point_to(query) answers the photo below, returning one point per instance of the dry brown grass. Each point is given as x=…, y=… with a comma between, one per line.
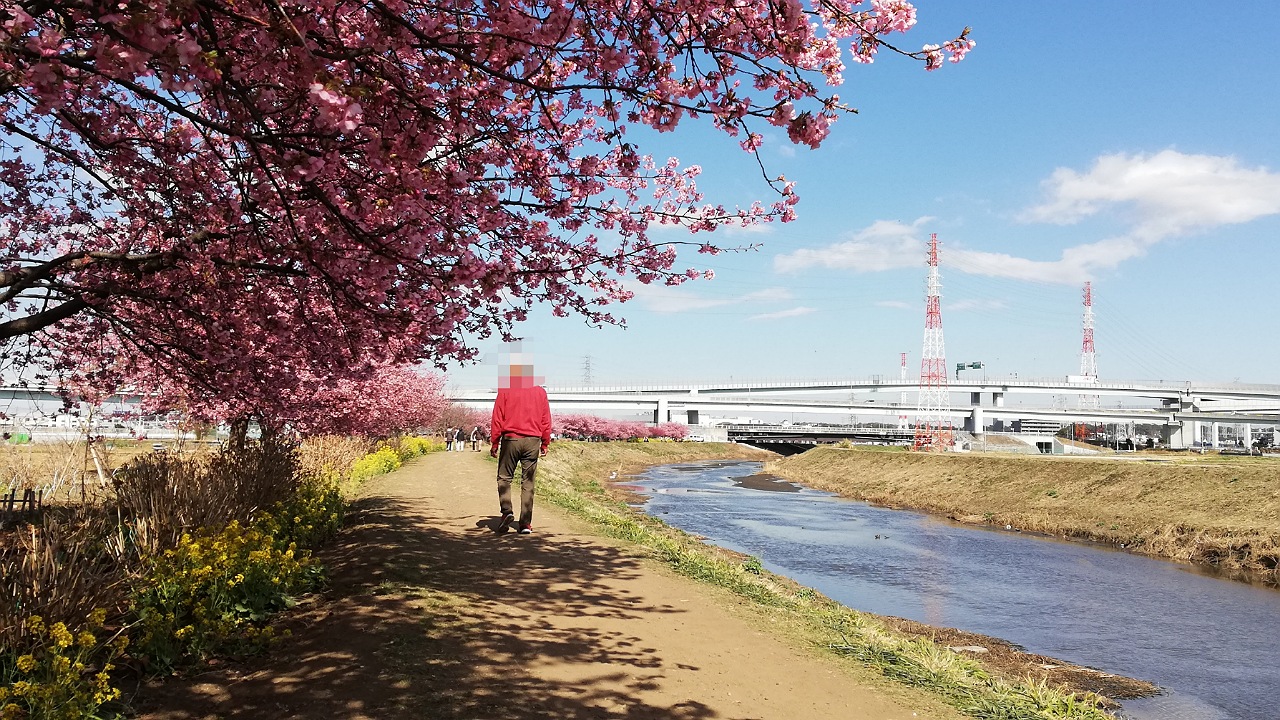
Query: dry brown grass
x=57, y=570
x=1222, y=511
x=160, y=496
x=64, y=471
x=76, y=556
x=336, y=454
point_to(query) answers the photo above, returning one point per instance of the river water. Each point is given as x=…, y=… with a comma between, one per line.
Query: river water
x=1212, y=644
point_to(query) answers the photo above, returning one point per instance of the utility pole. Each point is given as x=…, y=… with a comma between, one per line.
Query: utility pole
x=586, y=371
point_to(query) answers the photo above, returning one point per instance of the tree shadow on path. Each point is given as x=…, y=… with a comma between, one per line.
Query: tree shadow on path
x=432, y=616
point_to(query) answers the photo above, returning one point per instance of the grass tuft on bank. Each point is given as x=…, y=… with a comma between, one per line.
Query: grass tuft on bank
x=571, y=477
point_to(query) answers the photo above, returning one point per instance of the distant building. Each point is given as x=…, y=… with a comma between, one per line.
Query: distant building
x=1037, y=427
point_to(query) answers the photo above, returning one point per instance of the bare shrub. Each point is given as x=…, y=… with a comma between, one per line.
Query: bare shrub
x=77, y=558
x=331, y=454
x=57, y=570
x=160, y=496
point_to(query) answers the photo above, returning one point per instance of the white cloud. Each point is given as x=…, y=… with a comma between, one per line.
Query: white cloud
x=893, y=304
x=884, y=245
x=1075, y=265
x=1167, y=195
x=667, y=299
x=780, y=144
x=767, y=294
x=1170, y=193
x=963, y=305
x=1164, y=195
x=793, y=312
x=760, y=228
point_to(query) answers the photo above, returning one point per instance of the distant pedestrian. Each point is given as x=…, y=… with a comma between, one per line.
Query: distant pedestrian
x=476, y=432
x=457, y=439
x=448, y=438
x=520, y=431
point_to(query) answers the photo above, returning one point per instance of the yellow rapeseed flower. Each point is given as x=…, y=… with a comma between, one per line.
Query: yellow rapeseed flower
x=97, y=617
x=86, y=639
x=61, y=636
x=26, y=663
x=35, y=624
x=11, y=712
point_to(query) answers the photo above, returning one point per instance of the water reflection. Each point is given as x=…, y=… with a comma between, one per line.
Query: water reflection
x=1214, y=644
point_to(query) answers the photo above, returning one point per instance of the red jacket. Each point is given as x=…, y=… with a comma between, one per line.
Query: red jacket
x=521, y=411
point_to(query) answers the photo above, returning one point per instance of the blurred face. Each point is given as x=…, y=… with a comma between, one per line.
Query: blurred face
x=516, y=369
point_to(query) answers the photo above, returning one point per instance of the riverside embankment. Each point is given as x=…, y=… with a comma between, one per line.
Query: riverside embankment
x=1217, y=511
x=431, y=614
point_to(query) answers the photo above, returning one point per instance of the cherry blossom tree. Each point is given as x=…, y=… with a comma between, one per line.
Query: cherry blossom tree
x=576, y=426
x=238, y=200
x=389, y=400
x=393, y=400
x=671, y=431
x=459, y=416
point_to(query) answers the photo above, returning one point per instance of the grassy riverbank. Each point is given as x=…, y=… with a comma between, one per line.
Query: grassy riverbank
x=1220, y=511
x=574, y=477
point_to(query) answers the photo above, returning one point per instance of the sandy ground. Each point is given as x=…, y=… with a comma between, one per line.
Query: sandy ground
x=430, y=614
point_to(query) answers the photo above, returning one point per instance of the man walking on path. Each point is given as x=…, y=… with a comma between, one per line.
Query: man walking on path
x=520, y=431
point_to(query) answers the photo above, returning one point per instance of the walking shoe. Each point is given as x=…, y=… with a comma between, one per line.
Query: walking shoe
x=526, y=529
x=504, y=523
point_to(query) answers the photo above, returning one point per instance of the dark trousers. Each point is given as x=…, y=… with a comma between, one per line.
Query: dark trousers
x=526, y=451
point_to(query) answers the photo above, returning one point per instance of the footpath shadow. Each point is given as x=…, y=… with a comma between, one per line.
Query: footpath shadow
x=422, y=622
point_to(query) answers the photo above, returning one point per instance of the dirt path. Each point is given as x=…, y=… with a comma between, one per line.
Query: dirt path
x=432, y=615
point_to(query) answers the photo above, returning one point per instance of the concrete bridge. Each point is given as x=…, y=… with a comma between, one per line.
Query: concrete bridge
x=792, y=439
x=1184, y=409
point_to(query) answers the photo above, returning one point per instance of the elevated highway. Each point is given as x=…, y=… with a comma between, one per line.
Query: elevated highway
x=1167, y=391
x=1182, y=408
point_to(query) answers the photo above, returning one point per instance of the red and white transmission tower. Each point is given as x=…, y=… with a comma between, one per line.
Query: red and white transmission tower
x=903, y=421
x=1088, y=358
x=933, y=424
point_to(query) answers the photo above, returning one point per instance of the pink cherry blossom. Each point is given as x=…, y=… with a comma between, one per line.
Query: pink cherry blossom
x=592, y=427
x=238, y=207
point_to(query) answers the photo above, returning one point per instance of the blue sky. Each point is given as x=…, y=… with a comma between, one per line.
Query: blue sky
x=1134, y=144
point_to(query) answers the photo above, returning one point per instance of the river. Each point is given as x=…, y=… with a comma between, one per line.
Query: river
x=1213, y=645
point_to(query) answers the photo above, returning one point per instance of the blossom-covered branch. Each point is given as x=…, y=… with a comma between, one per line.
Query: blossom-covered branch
x=241, y=195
